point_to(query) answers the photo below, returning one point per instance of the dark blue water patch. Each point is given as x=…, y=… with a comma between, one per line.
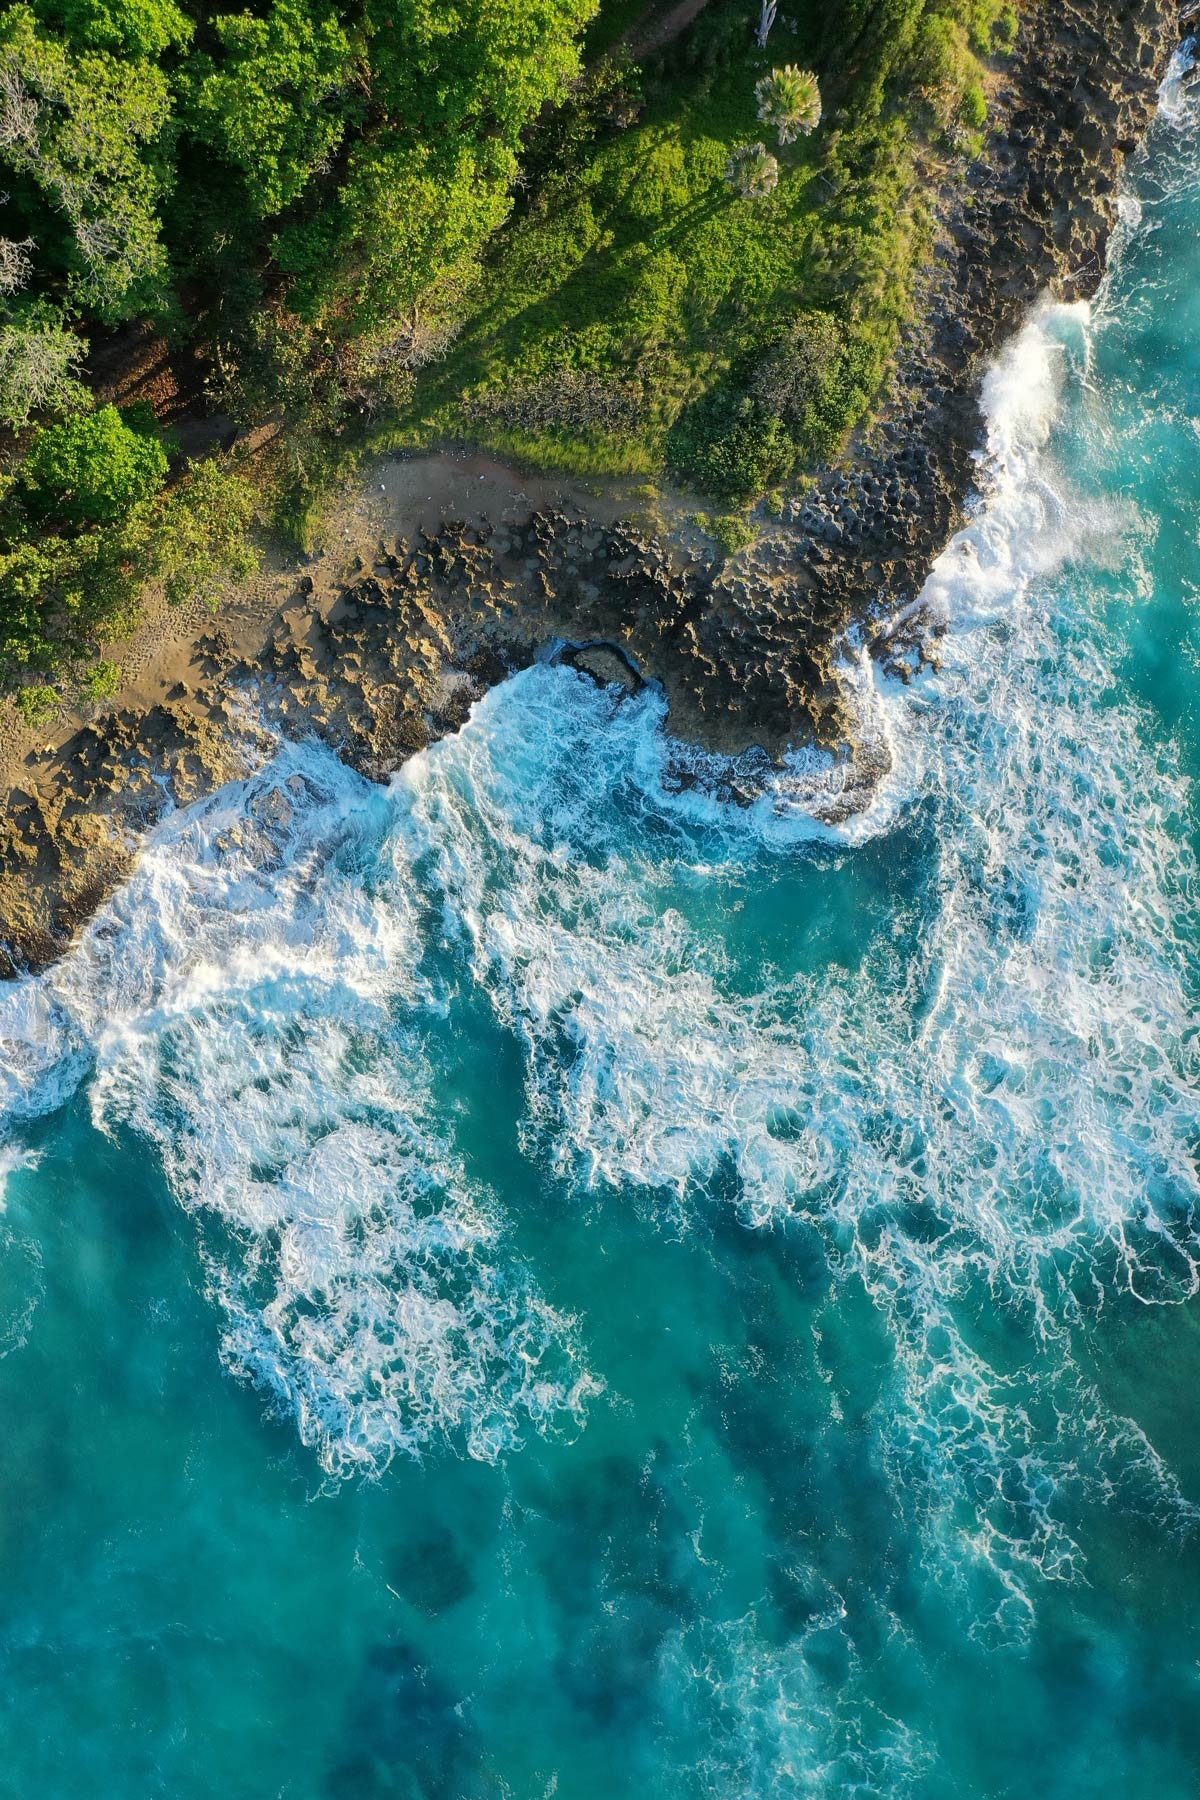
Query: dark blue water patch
x=404, y=1735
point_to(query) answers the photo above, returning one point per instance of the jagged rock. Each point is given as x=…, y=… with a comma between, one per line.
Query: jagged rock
x=743, y=647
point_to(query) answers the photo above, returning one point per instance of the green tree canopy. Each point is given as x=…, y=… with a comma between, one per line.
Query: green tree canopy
x=790, y=100
x=77, y=127
x=93, y=469
x=472, y=68
x=40, y=362
x=304, y=199
x=275, y=103
x=452, y=87
x=131, y=28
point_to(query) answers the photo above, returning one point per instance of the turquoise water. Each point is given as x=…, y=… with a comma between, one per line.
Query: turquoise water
x=527, y=1283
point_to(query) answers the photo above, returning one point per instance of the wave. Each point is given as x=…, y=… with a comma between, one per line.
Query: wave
x=1001, y=1101
x=989, y=1121
x=246, y=1003
x=765, y=1719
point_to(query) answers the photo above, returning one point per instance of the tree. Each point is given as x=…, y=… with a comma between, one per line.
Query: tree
x=407, y=216
x=790, y=100
x=452, y=89
x=57, y=593
x=82, y=129
x=271, y=106
x=752, y=171
x=132, y=28
x=16, y=264
x=93, y=469
x=474, y=68
x=39, y=363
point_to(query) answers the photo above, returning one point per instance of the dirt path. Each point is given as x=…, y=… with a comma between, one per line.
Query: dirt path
x=649, y=34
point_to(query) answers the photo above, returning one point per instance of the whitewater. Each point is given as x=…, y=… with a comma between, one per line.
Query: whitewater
x=524, y=1281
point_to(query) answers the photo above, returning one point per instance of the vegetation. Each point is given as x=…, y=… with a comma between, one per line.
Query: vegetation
x=790, y=100
x=733, y=531
x=201, y=536
x=382, y=222
x=751, y=171
x=664, y=271
x=94, y=469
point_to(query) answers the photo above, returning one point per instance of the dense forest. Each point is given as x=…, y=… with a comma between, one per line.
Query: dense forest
x=386, y=222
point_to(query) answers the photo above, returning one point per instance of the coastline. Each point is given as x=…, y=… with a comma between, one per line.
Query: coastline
x=441, y=574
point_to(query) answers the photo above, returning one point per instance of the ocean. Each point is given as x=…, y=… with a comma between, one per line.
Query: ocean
x=528, y=1281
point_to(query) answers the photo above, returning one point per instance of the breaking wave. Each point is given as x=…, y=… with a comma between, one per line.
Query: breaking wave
x=247, y=1004
x=988, y=1115
x=993, y=1120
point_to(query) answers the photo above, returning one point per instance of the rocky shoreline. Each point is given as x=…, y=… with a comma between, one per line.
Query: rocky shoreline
x=1033, y=217
x=388, y=648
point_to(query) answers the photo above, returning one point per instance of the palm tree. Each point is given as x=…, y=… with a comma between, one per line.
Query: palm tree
x=752, y=171
x=790, y=100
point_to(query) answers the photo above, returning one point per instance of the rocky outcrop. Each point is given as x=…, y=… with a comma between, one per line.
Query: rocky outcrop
x=747, y=652
x=745, y=648
x=1032, y=217
x=70, y=830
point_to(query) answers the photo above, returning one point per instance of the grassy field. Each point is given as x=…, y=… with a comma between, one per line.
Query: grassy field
x=637, y=316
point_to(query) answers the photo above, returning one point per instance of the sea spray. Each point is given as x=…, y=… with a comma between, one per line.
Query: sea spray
x=855, y=1157
x=1006, y=1106
x=242, y=1002
x=998, y=1099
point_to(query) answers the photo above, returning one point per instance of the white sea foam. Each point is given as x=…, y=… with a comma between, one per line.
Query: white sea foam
x=1009, y=1108
x=1006, y=1107
x=246, y=1003
x=765, y=1719
x=1176, y=106
x=12, y=1158
x=1001, y=1099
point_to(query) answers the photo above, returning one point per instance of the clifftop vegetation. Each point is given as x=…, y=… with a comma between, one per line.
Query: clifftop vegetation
x=390, y=221
x=698, y=274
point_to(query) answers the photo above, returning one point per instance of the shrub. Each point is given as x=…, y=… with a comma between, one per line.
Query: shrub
x=733, y=531
x=973, y=110
x=726, y=446
x=36, y=703
x=200, y=539
x=942, y=67
x=790, y=100
x=817, y=381
x=752, y=171
x=1004, y=31
x=660, y=184
x=101, y=680
x=92, y=469
x=564, y=399
x=653, y=281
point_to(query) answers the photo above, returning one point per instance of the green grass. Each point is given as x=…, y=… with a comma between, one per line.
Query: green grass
x=631, y=282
